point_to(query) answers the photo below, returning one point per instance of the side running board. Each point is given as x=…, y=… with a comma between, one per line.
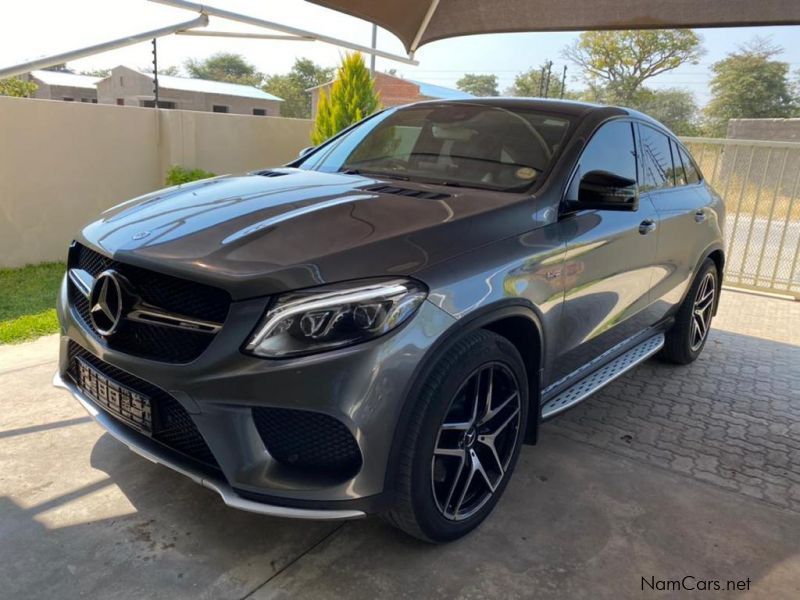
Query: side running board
x=602, y=376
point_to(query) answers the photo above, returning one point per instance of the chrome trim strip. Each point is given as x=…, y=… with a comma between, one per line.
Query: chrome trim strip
x=83, y=280
x=587, y=386
x=153, y=316
x=229, y=497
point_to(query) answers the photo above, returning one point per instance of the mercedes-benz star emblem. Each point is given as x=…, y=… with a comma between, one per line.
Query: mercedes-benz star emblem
x=105, y=303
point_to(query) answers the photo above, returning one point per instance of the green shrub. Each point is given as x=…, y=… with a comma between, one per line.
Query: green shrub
x=177, y=175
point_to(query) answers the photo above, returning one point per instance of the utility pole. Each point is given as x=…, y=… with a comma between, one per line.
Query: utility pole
x=541, y=83
x=547, y=81
x=563, y=82
x=374, y=46
x=155, y=73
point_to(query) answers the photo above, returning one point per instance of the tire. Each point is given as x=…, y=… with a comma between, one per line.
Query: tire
x=682, y=345
x=426, y=485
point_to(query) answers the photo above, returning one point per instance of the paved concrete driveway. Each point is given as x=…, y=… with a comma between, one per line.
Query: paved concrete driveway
x=668, y=472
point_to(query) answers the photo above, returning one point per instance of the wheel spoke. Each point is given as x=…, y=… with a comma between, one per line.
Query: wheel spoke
x=463, y=494
x=448, y=452
x=491, y=413
x=455, y=482
x=463, y=426
x=478, y=466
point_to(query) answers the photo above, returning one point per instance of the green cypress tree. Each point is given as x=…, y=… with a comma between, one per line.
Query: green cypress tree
x=352, y=98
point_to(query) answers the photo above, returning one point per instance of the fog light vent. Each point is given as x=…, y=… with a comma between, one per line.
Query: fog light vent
x=308, y=440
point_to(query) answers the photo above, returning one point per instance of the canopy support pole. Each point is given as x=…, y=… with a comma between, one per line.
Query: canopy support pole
x=423, y=26
x=247, y=36
x=232, y=16
x=57, y=59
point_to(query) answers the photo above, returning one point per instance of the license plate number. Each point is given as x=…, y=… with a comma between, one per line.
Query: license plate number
x=121, y=402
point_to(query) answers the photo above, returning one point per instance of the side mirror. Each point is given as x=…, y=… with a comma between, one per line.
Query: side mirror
x=601, y=190
x=305, y=151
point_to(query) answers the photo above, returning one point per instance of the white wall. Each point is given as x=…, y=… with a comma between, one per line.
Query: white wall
x=61, y=163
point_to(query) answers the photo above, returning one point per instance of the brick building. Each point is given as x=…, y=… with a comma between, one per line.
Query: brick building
x=395, y=90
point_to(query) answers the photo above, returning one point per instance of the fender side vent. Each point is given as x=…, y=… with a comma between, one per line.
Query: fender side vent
x=398, y=191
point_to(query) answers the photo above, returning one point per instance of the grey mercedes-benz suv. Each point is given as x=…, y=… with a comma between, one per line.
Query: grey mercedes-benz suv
x=378, y=326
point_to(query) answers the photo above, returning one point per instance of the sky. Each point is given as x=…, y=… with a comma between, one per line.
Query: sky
x=36, y=28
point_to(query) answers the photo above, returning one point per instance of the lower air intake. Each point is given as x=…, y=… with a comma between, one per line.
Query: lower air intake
x=308, y=440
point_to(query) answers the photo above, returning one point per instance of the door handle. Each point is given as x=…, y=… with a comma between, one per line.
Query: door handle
x=700, y=215
x=647, y=226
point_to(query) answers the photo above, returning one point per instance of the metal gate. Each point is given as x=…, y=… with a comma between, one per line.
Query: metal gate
x=759, y=182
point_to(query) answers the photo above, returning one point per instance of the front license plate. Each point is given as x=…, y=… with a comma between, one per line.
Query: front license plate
x=121, y=402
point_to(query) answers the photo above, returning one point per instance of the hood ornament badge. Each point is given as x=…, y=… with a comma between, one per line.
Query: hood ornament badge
x=140, y=235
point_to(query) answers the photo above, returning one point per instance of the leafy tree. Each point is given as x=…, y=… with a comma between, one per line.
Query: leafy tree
x=224, y=66
x=17, y=87
x=292, y=87
x=749, y=83
x=97, y=72
x=61, y=67
x=171, y=70
x=533, y=82
x=352, y=98
x=618, y=63
x=674, y=107
x=478, y=85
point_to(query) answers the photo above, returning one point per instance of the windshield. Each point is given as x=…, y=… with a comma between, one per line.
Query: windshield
x=465, y=145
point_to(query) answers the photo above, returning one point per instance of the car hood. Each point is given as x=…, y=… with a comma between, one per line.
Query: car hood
x=283, y=229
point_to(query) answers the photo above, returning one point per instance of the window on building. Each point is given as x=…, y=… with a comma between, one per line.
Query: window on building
x=84, y=99
x=94, y=100
x=120, y=101
x=152, y=104
x=260, y=112
x=219, y=108
x=68, y=99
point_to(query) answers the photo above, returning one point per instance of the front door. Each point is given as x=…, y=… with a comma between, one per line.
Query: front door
x=609, y=260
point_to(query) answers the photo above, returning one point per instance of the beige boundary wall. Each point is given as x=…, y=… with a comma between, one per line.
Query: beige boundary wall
x=61, y=163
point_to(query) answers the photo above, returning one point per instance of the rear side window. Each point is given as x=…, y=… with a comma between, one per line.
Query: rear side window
x=692, y=174
x=657, y=160
x=611, y=149
x=680, y=175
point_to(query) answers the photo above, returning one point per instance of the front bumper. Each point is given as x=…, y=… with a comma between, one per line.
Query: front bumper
x=364, y=387
x=154, y=454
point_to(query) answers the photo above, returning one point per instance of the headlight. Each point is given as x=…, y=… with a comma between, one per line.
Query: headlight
x=333, y=316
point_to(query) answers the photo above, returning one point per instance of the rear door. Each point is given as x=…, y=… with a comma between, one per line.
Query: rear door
x=680, y=200
x=609, y=260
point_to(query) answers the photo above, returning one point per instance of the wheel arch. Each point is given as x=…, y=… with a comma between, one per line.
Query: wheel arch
x=513, y=319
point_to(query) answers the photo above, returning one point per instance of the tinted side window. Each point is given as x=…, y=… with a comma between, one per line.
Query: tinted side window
x=692, y=175
x=611, y=149
x=680, y=175
x=657, y=159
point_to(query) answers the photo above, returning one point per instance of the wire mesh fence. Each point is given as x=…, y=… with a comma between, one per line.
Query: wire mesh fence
x=758, y=181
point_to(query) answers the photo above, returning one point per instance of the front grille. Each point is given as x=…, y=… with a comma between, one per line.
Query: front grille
x=172, y=425
x=168, y=293
x=308, y=440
